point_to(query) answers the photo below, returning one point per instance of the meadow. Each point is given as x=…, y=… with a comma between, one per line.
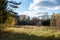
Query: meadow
x=31, y=33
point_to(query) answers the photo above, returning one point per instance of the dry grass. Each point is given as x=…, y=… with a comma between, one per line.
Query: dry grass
x=38, y=31
x=34, y=33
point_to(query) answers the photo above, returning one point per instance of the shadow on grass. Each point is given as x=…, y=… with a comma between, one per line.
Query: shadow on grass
x=24, y=36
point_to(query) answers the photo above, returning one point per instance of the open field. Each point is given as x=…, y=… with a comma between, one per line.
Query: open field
x=31, y=33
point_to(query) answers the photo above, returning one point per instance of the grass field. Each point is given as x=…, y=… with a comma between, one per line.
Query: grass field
x=31, y=33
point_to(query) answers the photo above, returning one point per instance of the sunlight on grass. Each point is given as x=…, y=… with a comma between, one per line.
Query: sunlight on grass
x=38, y=31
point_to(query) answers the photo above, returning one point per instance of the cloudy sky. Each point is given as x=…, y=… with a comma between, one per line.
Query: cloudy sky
x=38, y=7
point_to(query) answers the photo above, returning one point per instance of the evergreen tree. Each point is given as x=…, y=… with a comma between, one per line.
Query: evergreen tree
x=6, y=17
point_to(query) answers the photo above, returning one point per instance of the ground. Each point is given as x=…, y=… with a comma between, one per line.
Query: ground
x=31, y=33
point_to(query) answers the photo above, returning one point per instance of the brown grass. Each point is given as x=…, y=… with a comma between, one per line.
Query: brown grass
x=31, y=33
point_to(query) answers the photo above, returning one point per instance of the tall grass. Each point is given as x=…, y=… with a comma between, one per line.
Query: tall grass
x=33, y=33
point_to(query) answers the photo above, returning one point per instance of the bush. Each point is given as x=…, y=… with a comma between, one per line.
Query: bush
x=9, y=22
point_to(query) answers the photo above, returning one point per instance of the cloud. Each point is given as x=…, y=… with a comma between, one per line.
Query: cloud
x=45, y=5
x=40, y=7
x=33, y=13
x=29, y=13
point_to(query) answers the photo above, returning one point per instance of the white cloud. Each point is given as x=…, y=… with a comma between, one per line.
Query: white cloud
x=29, y=13
x=36, y=1
x=41, y=6
x=44, y=5
x=57, y=8
x=33, y=13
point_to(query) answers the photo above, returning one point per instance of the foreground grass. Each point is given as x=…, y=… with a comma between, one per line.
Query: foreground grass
x=31, y=33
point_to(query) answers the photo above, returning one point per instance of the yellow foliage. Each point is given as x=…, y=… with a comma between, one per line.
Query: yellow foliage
x=10, y=22
x=54, y=19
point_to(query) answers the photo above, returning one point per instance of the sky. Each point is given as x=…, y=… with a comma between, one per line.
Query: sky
x=34, y=8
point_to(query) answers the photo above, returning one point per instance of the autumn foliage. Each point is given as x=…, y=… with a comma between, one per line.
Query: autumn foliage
x=55, y=20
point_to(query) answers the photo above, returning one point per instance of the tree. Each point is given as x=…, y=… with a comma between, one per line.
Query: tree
x=28, y=18
x=6, y=16
x=35, y=19
x=55, y=20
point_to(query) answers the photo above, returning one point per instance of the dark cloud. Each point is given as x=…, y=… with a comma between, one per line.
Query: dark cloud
x=49, y=3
